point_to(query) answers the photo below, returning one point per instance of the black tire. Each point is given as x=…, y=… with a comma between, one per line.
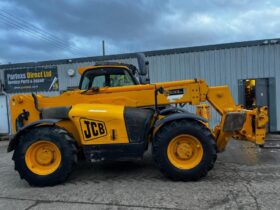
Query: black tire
x=211, y=166
x=167, y=133
x=61, y=139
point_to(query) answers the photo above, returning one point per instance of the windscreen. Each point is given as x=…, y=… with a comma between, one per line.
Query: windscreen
x=106, y=77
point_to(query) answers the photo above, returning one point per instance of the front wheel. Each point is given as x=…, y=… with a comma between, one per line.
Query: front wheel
x=184, y=150
x=45, y=156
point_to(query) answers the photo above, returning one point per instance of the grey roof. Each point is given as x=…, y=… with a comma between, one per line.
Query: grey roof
x=147, y=53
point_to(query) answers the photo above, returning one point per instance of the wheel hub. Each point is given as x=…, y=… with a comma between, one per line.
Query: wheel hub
x=184, y=151
x=44, y=156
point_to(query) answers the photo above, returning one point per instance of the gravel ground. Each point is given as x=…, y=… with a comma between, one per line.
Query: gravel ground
x=244, y=177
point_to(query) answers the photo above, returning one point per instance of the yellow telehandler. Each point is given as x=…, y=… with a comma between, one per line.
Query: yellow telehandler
x=116, y=113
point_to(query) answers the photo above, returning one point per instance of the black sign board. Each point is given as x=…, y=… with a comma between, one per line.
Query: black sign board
x=31, y=80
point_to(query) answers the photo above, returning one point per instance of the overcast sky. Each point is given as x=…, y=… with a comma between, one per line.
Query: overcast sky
x=33, y=30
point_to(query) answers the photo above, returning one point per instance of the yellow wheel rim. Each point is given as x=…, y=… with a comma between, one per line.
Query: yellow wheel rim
x=43, y=157
x=185, y=151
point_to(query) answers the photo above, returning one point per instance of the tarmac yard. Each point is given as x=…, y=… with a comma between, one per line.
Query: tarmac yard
x=244, y=177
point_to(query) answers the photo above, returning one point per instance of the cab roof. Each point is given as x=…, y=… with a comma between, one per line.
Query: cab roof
x=81, y=70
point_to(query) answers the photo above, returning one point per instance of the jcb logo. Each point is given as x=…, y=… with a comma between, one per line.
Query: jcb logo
x=93, y=129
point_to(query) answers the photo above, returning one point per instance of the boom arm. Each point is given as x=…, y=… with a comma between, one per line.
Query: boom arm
x=236, y=122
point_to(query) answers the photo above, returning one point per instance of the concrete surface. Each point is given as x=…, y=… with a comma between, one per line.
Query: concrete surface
x=244, y=177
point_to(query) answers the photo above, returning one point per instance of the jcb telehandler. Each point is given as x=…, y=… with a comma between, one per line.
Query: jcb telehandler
x=116, y=113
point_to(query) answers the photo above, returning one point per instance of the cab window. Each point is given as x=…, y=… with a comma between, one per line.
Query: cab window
x=106, y=77
x=99, y=81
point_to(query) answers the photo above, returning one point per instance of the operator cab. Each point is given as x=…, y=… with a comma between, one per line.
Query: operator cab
x=107, y=76
x=112, y=74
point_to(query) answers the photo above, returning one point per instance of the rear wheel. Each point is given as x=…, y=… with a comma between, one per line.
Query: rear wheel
x=45, y=156
x=184, y=150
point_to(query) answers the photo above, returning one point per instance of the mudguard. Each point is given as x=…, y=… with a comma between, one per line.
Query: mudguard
x=169, y=110
x=179, y=116
x=15, y=140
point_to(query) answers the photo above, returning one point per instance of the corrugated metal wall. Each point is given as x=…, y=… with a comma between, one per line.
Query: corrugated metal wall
x=217, y=67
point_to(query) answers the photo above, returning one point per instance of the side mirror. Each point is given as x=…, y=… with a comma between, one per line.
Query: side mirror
x=142, y=63
x=143, y=68
x=144, y=79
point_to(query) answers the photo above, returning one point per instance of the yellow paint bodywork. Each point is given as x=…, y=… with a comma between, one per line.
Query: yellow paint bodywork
x=254, y=128
x=113, y=100
x=112, y=116
x=133, y=96
x=203, y=110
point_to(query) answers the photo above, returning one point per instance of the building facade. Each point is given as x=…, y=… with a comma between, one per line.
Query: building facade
x=251, y=69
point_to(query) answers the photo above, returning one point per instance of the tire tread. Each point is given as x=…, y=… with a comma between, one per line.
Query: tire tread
x=69, y=146
x=161, y=137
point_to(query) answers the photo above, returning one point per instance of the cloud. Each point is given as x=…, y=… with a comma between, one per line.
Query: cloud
x=75, y=28
x=254, y=22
